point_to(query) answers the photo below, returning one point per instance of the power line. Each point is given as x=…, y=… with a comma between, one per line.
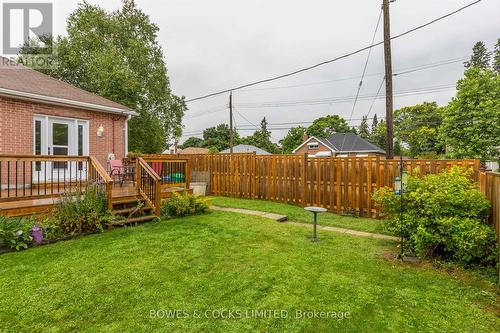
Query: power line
x=403, y=70
x=343, y=99
x=376, y=96
x=363, y=75
x=335, y=59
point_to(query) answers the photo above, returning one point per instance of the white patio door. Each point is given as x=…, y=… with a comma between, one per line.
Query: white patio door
x=61, y=142
x=60, y=137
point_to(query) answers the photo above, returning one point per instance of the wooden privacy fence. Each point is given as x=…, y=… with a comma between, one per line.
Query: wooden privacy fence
x=342, y=185
x=489, y=184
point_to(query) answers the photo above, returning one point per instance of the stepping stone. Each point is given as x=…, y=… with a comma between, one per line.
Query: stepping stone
x=272, y=216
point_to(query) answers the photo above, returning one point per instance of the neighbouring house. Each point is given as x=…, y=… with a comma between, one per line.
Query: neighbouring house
x=246, y=149
x=194, y=150
x=338, y=145
x=40, y=115
x=172, y=149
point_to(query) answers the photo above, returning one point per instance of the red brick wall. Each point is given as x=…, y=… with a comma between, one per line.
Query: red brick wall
x=305, y=149
x=16, y=127
x=321, y=147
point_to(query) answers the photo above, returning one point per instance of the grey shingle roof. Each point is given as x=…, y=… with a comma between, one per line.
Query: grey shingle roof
x=350, y=142
x=246, y=149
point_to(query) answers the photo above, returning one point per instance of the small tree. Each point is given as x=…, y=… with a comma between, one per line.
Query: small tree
x=261, y=138
x=379, y=135
x=293, y=139
x=364, y=130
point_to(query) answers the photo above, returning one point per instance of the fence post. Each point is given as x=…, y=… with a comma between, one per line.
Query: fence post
x=304, y=180
x=253, y=177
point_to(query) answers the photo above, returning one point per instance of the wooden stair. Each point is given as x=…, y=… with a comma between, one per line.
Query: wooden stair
x=131, y=210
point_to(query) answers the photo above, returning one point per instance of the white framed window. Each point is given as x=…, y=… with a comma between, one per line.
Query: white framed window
x=313, y=145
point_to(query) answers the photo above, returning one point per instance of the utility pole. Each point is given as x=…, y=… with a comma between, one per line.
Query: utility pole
x=388, y=80
x=231, y=132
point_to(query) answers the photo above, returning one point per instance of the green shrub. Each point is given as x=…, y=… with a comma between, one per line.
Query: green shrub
x=16, y=232
x=79, y=212
x=443, y=215
x=184, y=204
x=51, y=229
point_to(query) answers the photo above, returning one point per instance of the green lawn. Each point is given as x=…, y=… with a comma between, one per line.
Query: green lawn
x=222, y=261
x=298, y=214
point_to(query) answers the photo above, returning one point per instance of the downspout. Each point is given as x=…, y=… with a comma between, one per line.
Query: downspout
x=113, y=138
x=126, y=134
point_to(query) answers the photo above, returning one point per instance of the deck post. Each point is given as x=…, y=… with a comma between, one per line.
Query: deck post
x=137, y=176
x=188, y=175
x=109, y=191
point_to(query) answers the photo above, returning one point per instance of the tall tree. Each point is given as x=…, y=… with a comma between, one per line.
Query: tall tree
x=480, y=57
x=116, y=55
x=293, y=139
x=217, y=138
x=379, y=135
x=364, y=130
x=374, y=124
x=418, y=128
x=471, y=122
x=325, y=126
x=261, y=138
x=192, y=142
x=496, y=57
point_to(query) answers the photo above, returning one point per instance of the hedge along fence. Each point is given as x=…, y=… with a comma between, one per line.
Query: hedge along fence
x=342, y=185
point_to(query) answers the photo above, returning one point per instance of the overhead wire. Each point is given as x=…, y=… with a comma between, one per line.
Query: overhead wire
x=363, y=75
x=301, y=70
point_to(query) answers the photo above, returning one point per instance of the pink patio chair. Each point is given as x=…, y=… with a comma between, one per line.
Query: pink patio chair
x=120, y=171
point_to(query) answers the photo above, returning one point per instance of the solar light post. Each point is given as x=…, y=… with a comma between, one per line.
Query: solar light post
x=400, y=184
x=315, y=211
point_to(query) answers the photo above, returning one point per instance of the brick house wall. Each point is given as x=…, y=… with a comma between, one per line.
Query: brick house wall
x=16, y=127
x=305, y=149
x=321, y=148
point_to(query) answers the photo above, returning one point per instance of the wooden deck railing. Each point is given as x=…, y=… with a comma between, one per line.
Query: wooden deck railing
x=148, y=184
x=45, y=176
x=98, y=175
x=172, y=172
x=39, y=176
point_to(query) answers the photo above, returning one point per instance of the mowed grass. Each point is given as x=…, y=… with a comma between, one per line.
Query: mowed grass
x=111, y=282
x=298, y=214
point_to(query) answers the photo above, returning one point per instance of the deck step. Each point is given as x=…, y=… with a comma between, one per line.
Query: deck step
x=130, y=210
x=134, y=220
x=127, y=201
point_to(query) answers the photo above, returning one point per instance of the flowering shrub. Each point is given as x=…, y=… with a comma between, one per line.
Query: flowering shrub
x=79, y=212
x=442, y=215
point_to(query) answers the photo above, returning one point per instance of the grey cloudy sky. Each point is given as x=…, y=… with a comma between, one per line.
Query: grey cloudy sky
x=214, y=45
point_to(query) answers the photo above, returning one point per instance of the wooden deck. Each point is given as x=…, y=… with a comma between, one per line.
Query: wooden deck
x=29, y=205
